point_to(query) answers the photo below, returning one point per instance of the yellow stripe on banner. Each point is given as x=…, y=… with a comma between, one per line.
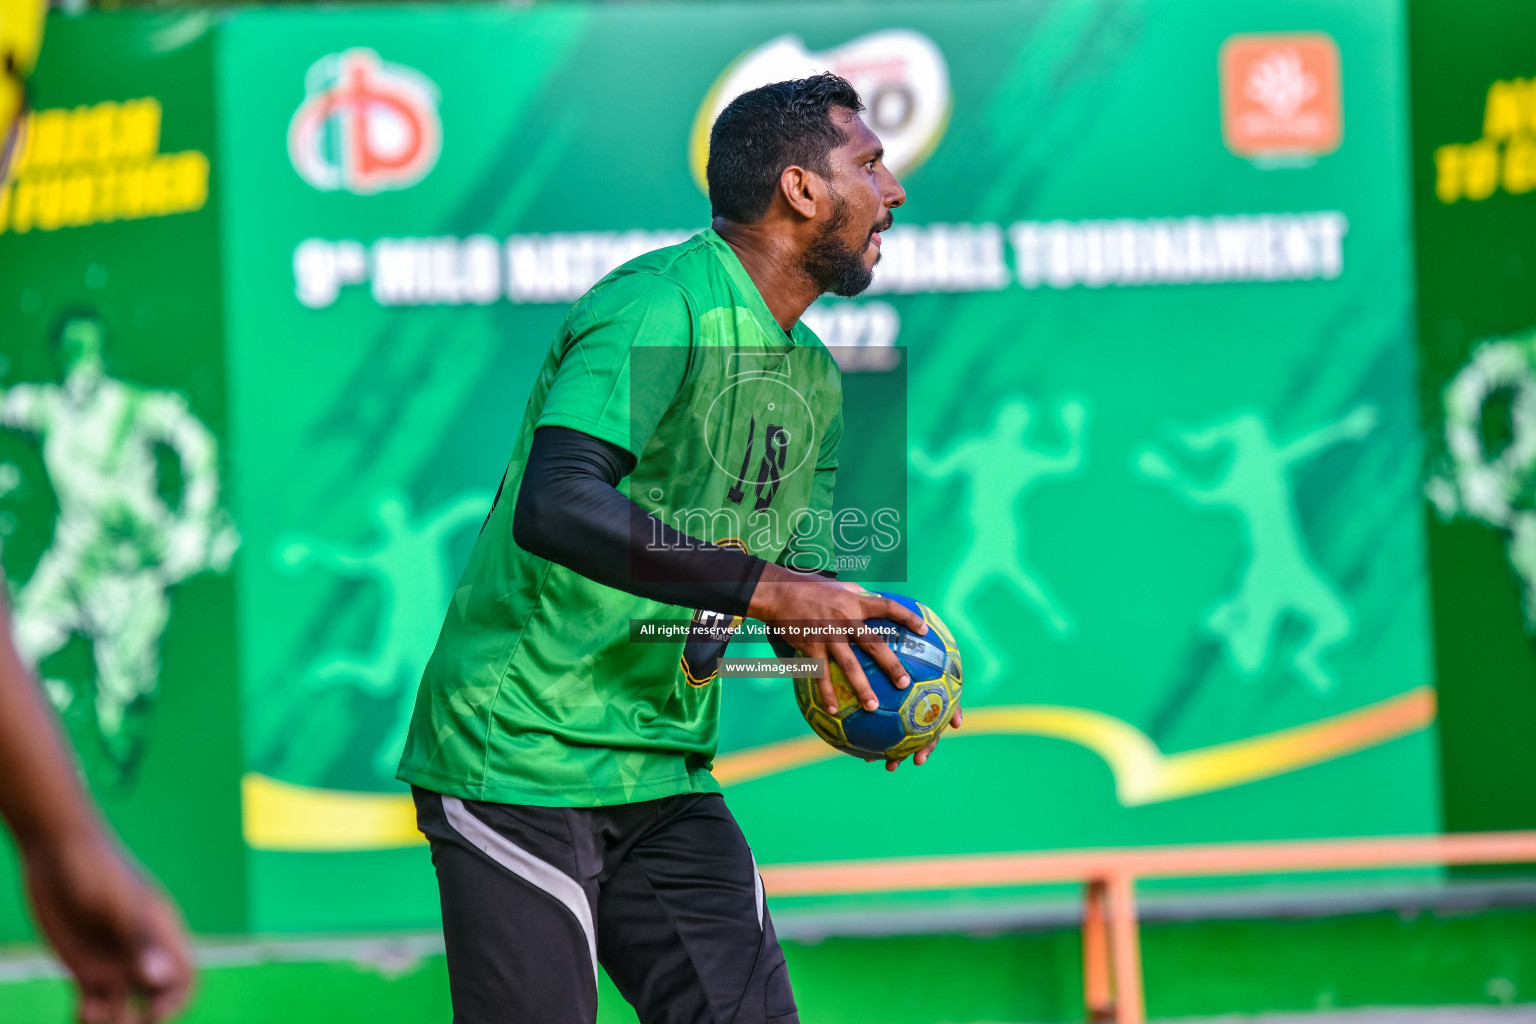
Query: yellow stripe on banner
x=281, y=816
x=773, y=758
x=1144, y=774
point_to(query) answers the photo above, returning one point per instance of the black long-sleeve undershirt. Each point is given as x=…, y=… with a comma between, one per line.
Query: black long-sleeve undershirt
x=569, y=511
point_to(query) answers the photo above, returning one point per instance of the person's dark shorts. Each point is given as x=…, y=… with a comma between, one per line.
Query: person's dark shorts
x=664, y=894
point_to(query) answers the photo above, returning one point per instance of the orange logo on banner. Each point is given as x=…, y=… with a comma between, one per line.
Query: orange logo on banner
x=1280, y=95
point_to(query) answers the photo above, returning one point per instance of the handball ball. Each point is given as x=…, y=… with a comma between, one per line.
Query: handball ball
x=906, y=720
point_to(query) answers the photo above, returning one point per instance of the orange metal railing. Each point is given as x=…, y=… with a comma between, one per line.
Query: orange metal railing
x=1112, y=984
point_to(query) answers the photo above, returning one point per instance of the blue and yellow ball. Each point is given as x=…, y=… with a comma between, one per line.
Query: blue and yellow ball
x=906, y=720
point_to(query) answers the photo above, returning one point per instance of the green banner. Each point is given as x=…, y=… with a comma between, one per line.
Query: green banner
x=1161, y=407
x=1151, y=297
x=114, y=470
x=1474, y=172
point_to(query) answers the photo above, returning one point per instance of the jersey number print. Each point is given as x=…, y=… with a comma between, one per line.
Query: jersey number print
x=769, y=472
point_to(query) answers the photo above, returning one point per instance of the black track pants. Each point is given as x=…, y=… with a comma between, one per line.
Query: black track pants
x=664, y=894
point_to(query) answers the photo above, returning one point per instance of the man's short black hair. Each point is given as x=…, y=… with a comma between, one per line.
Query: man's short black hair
x=761, y=132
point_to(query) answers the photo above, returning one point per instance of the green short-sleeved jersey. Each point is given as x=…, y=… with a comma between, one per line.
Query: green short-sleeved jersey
x=535, y=693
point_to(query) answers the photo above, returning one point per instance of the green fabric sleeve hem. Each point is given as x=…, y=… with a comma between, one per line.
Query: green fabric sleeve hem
x=614, y=435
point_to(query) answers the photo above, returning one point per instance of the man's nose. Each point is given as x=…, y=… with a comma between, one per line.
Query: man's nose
x=893, y=195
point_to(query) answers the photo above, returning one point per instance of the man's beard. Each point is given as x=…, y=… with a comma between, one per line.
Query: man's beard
x=831, y=263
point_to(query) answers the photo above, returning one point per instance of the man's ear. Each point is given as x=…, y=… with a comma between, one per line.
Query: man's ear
x=803, y=190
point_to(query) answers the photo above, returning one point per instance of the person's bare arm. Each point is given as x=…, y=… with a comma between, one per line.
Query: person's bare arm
x=121, y=940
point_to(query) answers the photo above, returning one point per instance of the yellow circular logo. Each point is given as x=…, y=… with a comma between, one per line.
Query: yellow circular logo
x=926, y=709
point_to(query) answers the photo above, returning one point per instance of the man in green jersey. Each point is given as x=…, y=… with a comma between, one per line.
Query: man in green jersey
x=676, y=459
